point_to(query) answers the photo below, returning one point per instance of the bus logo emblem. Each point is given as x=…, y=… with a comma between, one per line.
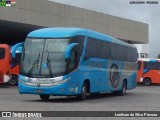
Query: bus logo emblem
x=114, y=75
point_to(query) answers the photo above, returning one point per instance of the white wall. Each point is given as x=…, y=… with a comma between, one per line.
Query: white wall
x=143, y=48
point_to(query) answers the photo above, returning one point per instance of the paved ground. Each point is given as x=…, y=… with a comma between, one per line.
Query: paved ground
x=140, y=99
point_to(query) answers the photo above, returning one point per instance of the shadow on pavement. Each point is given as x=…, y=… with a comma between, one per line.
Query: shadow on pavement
x=70, y=99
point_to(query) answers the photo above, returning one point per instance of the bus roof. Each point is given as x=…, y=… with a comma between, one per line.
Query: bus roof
x=4, y=46
x=65, y=32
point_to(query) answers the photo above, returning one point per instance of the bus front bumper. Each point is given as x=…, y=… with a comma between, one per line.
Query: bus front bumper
x=59, y=90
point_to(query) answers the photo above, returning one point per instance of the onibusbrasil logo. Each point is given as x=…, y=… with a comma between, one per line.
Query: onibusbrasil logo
x=114, y=75
x=7, y=2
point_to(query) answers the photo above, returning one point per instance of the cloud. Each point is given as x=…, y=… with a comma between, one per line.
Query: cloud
x=147, y=13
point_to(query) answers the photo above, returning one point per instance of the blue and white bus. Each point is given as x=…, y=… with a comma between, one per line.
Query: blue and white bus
x=75, y=62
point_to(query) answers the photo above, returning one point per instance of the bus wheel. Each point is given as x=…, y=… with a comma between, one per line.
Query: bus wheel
x=14, y=80
x=123, y=90
x=147, y=81
x=44, y=97
x=83, y=94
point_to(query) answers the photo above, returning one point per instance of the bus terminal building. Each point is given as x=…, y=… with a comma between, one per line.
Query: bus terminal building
x=28, y=15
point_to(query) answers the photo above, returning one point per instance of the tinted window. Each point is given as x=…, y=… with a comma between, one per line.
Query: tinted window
x=119, y=52
x=134, y=54
x=92, y=47
x=79, y=48
x=2, y=53
x=17, y=59
x=158, y=65
x=150, y=65
x=139, y=65
x=72, y=61
x=101, y=49
x=128, y=54
x=76, y=53
x=113, y=51
x=106, y=52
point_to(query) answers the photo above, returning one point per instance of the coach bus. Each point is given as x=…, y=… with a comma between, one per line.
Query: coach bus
x=75, y=62
x=148, y=71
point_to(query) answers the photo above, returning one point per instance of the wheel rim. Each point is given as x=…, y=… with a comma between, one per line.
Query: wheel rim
x=124, y=89
x=12, y=81
x=84, y=91
x=147, y=82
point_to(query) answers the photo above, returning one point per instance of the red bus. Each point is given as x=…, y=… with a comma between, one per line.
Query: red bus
x=5, y=59
x=9, y=63
x=148, y=71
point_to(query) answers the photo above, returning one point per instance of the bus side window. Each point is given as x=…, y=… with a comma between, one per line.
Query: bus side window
x=158, y=65
x=73, y=60
x=113, y=51
x=91, y=49
x=99, y=49
x=150, y=65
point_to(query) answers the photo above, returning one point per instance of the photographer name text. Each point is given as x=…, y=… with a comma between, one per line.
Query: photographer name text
x=144, y=2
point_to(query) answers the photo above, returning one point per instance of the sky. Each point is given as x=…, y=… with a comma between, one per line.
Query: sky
x=147, y=13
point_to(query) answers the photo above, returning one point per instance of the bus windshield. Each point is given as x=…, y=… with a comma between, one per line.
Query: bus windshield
x=2, y=53
x=43, y=57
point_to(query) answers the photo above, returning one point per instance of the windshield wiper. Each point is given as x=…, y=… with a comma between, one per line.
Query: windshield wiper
x=34, y=63
x=49, y=65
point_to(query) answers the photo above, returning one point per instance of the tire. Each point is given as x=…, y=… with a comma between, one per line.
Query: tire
x=146, y=81
x=83, y=95
x=13, y=81
x=44, y=97
x=123, y=90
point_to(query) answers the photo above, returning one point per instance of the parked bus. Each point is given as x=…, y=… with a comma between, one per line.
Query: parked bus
x=148, y=71
x=5, y=59
x=75, y=62
x=9, y=65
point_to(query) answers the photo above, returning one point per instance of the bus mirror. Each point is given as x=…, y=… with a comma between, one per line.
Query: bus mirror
x=85, y=57
x=15, y=47
x=69, y=49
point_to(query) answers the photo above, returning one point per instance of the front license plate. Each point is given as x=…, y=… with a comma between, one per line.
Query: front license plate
x=39, y=91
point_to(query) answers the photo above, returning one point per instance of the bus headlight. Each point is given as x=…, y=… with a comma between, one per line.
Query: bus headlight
x=61, y=81
x=43, y=82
